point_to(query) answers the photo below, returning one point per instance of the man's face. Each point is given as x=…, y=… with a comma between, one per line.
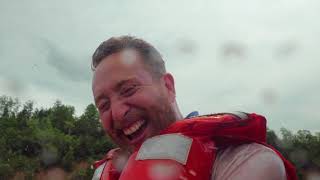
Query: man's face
x=132, y=105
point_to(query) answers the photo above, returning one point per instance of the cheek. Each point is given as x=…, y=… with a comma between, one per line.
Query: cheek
x=149, y=99
x=106, y=122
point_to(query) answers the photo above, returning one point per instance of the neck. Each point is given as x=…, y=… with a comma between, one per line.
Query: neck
x=177, y=113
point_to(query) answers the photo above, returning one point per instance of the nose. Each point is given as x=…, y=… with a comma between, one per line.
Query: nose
x=119, y=110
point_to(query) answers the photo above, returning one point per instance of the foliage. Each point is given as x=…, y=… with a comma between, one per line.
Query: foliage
x=302, y=149
x=32, y=140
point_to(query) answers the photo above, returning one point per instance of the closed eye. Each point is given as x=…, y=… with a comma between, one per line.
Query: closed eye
x=104, y=106
x=128, y=91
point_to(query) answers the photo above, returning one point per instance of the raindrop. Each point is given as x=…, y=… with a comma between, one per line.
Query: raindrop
x=233, y=50
x=120, y=160
x=299, y=156
x=128, y=57
x=183, y=178
x=49, y=156
x=35, y=67
x=15, y=86
x=269, y=96
x=192, y=172
x=164, y=171
x=186, y=46
x=286, y=49
x=313, y=175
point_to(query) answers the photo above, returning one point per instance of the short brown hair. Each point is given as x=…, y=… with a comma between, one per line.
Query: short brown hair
x=151, y=57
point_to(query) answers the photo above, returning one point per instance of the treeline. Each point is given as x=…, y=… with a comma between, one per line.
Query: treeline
x=301, y=148
x=33, y=140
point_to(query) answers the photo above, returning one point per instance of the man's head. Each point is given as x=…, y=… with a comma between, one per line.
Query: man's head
x=134, y=94
x=150, y=56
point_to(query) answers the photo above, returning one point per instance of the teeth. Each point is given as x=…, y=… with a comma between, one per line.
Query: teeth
x=133, y=128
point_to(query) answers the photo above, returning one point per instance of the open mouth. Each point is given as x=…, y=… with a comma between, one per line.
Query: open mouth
x=134, y=131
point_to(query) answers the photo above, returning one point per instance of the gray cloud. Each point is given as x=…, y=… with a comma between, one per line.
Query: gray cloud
x=225, y=55
x=66, y=64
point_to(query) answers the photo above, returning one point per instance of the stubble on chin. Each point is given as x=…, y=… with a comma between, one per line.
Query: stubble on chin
x=160, y=118
x=165, y=118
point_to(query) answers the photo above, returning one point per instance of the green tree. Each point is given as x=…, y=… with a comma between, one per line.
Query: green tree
x=62, y=117
x=92, y=140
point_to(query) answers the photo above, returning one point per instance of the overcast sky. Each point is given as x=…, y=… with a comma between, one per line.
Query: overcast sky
x=251, y=55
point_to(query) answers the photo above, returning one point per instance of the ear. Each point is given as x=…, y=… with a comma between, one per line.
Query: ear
x=169, y=85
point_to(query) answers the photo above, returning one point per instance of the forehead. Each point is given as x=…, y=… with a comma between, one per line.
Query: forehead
x=117, y=67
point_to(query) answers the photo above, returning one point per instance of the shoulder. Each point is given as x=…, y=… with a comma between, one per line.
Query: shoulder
x=248, y=161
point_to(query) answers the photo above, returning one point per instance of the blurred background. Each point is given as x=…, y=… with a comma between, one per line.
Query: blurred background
x=251, y=55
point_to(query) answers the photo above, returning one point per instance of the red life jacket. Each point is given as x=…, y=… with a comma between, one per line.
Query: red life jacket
x=187, y=149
